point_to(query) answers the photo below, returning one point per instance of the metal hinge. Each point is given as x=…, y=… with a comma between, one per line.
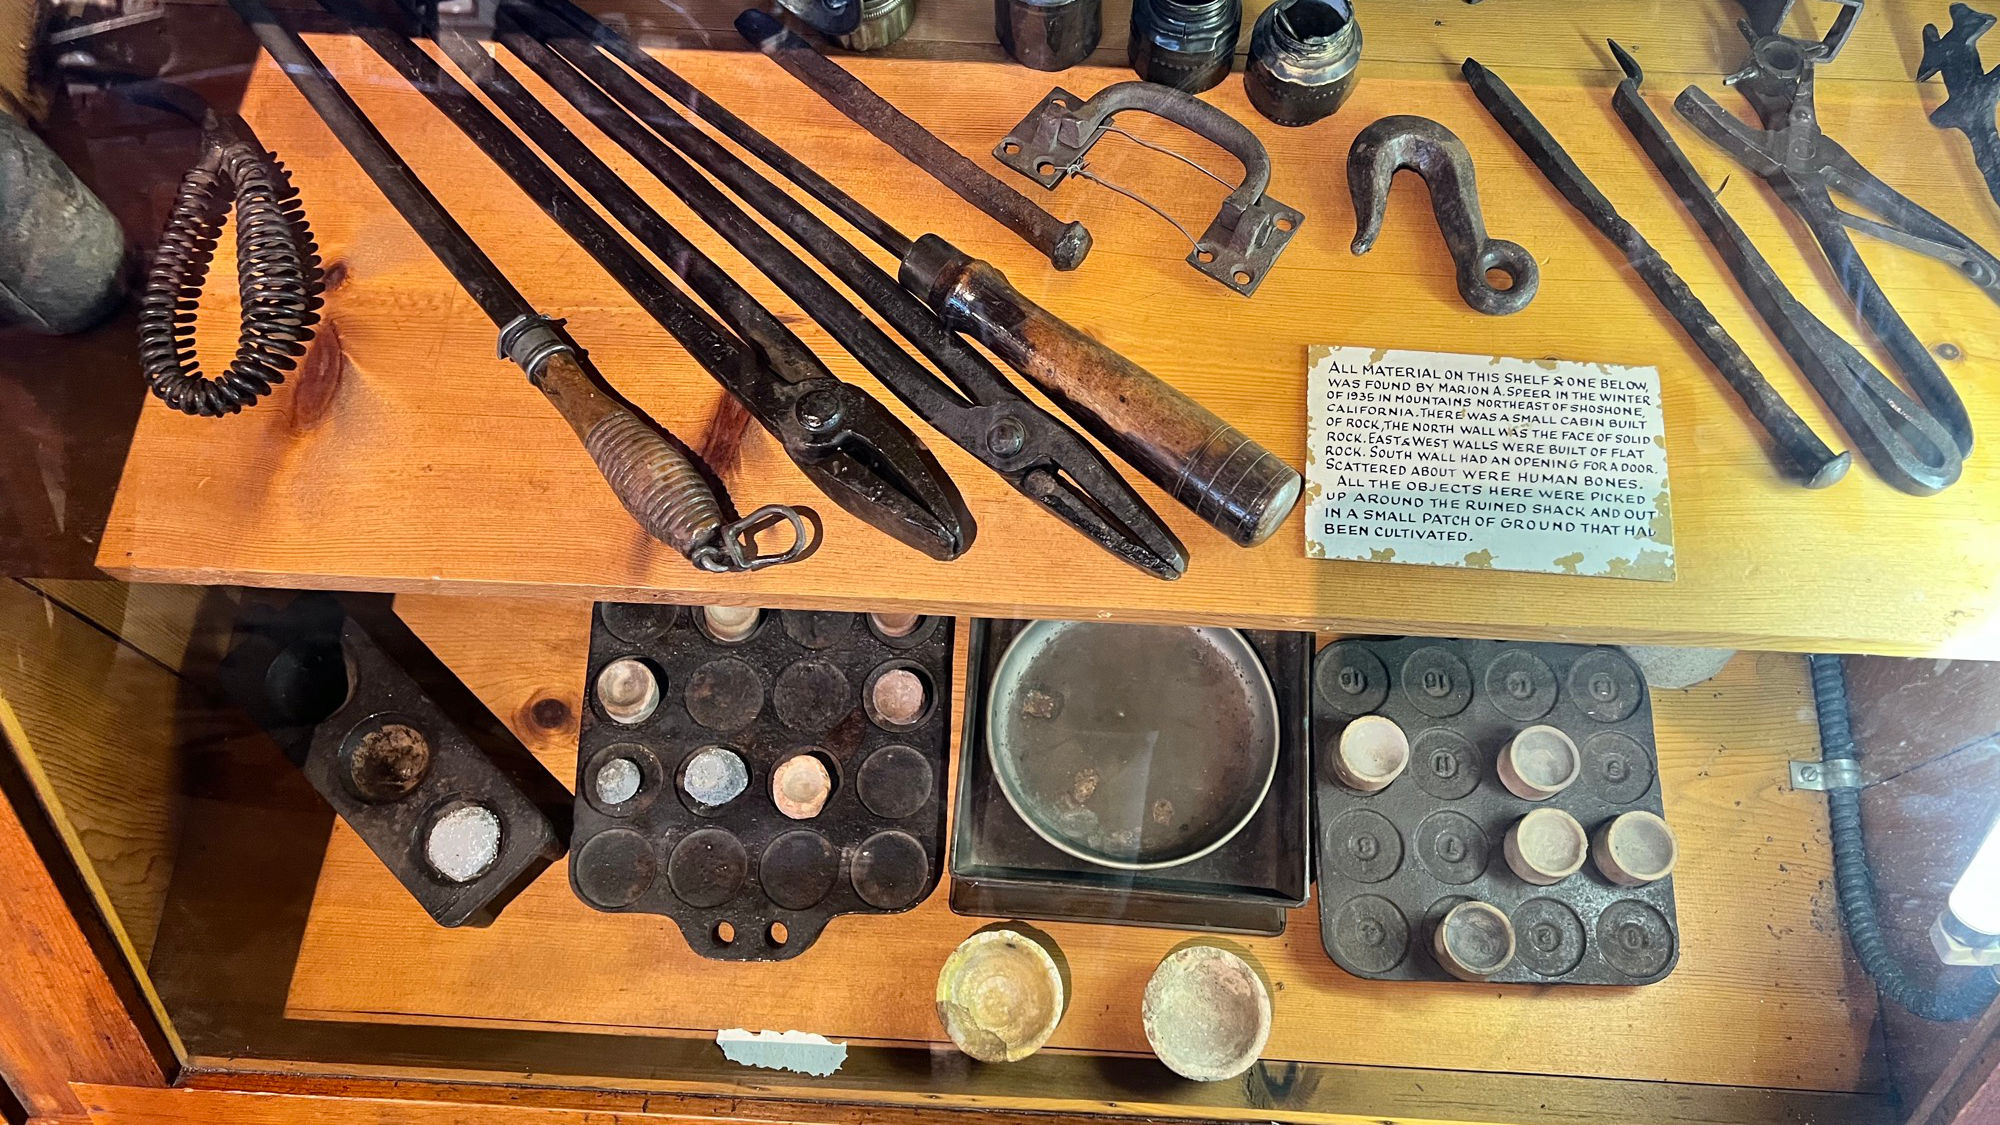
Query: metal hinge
x=1820, y=776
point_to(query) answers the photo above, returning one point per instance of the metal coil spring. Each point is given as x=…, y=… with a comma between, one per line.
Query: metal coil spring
x=277, y=272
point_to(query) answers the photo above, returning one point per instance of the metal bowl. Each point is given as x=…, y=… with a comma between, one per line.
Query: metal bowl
x=1132, y=746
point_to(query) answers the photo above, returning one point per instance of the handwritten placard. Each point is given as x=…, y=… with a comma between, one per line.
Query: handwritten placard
x=1484, y=461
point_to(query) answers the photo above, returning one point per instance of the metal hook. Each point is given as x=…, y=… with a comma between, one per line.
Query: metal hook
x=1432, y=151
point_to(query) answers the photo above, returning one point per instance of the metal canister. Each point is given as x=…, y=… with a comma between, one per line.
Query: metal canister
x=1303, y=55
x=1187, y=44
x=882, y=23
x=1048, y=34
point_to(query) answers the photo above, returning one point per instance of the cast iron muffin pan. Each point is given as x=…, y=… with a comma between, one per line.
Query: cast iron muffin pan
x=743, y=880
x=1391, y=863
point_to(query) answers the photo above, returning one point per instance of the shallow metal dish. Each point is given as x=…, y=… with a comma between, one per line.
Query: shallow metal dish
x=1132, y=746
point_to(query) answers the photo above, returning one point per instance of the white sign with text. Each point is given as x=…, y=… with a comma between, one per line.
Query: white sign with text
x=1482, y=461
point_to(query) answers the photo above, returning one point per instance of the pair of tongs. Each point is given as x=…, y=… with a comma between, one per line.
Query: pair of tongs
x=1805, y=167
x=1896, y=435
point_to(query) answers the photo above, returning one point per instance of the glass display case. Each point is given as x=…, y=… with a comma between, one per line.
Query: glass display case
x=537, y=578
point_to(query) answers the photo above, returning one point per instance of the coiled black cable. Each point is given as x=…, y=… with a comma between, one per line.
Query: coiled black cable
x=1856, y=883
x=277, y=273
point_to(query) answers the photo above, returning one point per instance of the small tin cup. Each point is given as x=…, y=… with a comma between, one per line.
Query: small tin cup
x=1474, y=941
x=1539, y=763
x=1546, y=846
x=1372, y=752
x=1634, y=848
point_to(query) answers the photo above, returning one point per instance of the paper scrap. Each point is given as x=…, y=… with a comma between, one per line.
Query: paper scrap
x=799, y=1051
x=1488, y=462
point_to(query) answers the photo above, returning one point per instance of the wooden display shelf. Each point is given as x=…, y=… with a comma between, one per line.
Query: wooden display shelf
x=415, y=461
x=1764, y=995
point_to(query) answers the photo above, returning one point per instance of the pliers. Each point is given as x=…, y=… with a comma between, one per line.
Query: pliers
x=1805, y=166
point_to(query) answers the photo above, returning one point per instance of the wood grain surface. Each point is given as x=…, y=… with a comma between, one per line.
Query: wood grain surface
x=416, y=461
x=1763, y=995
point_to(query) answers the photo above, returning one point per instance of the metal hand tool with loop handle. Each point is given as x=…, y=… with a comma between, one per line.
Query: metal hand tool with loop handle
x=655, y=482
x=277, y=274
x=1805, y=167
x=1900, y=439
x=1434, y=152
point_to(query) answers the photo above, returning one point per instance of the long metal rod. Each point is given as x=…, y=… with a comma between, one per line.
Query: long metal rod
x=1020, y=442
x=1900, y=439
x=1230, y=481
x=1805, y=456
x=905, y=504
x=654, y=481
x=1064, y=244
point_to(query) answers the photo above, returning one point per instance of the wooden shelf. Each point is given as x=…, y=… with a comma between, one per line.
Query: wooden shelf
x=1764, y=995
x=415, y=461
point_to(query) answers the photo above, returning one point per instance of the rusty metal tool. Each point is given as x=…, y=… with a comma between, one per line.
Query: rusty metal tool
x=655, y=482
x=1064, y=244
x=1804, y=167
x=1803, y=455
x=1028, y=447
x=848, y=444
x=1896, y=435
x=1247, y=234
x=1434, y=152
x=1232, y=482
x=1971, y=91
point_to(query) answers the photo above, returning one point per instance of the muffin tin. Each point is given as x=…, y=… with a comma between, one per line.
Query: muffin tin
x=1391, y=863
x=742, y=879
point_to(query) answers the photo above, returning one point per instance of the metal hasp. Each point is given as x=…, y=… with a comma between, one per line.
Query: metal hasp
x=1250, y=231
x=1802, y=455
x=1064, y=244
x=845, y=442
x=277, y=273
x=436, y=786
x=1971, y=91
x=1896, y=435
x=1804, y=167
x=1303, y=55
x=653, y=479
x=1435, y=153
x=1029, y=448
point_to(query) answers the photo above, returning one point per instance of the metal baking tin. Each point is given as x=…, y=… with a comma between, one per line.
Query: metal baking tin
x=744, y=881
x=1391, y=863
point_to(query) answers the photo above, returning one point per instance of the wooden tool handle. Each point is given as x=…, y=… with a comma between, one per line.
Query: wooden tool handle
x=1238, y=486
x=655, y=481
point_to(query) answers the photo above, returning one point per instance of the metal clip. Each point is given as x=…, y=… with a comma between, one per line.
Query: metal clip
x=1819, y=777
x=1240, y=245
x=531, y=339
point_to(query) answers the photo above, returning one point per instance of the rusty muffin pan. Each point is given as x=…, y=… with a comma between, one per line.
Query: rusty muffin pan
x=1391, y=863
x=702, y=789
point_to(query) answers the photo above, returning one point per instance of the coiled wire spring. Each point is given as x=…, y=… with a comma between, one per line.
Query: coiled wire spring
x=277, y=273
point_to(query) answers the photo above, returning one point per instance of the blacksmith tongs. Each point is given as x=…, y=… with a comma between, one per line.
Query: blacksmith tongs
x=1805, y=166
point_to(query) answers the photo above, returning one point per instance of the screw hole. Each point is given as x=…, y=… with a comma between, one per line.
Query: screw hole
x=779, y=934
x=724, y=933
x=1204, y=256
x=1948, y=351
x=1285, y=224
x=1010, y=148
x=1059, y=103
x=1044, y=168
x=1242, y=277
